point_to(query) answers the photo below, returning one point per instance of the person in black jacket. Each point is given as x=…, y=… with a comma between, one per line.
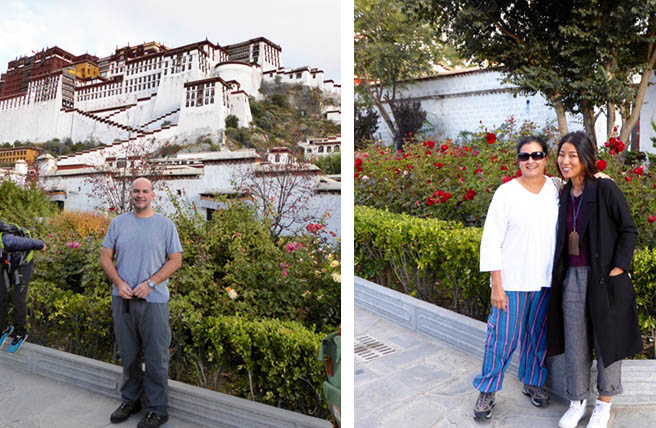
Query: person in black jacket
x=592, y=297
x=18, y=274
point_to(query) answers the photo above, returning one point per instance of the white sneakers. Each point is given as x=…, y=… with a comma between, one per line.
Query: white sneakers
x=599, y=419
x=573, y=415
x=600, y=415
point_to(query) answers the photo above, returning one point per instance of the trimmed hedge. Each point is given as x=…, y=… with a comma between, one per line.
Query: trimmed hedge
x=430, y=259
x=434, y=260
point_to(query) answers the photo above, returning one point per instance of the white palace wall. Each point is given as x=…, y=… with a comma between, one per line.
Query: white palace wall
x=463, y=101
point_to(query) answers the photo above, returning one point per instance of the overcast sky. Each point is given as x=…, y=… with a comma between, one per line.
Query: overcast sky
x=308, y=31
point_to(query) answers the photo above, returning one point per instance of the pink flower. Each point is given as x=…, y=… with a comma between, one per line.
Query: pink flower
x=73, y=244
x=291, y=246
x=313, y=227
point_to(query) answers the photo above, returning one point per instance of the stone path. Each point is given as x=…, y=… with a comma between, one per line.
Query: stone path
x=427, y=384
x=31, y=401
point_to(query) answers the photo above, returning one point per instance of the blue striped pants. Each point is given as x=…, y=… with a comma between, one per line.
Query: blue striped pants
x=523, y=322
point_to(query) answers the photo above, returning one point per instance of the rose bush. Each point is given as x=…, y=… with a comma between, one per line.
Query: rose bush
x=456, y=180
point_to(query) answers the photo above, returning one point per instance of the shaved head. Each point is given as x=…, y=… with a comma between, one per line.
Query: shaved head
x=141, y=181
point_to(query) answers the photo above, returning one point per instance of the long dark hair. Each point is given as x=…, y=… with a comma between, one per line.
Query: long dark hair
x=585, y=149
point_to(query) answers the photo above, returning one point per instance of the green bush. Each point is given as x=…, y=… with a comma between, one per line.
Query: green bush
x=438, y=261
x=277, y=360
x=644, y=280
x=430, y=259
x=285, y=292
x=330, y=164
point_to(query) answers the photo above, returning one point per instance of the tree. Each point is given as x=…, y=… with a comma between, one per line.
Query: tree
x=410, y=117
x=580, y=55
x=365, y=125
x=391, y=47
x=111, y=183
x=280, y=192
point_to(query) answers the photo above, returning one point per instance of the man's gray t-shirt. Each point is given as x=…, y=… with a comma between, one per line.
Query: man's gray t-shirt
x=141, y=246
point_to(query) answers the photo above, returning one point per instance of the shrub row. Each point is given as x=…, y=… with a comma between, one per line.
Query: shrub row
x=267, y=360
x=430, y=259
x=435, y=260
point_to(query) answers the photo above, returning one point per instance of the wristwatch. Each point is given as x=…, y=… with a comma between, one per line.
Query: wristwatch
x=151, y=283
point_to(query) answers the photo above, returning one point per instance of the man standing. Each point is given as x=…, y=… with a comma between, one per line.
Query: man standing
x=148, y=252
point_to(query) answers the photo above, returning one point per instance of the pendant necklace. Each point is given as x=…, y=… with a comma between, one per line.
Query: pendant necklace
x=573, y=242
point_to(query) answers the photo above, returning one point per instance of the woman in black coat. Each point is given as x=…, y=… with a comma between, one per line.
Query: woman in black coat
x=592, y=298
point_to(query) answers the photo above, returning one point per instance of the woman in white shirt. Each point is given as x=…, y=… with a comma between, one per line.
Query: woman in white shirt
x=517, y=249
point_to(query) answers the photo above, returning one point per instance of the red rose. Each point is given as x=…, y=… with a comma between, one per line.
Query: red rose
x=444, y=147
x=601, y=164
x=469, y=195
x=358, y=164
x=430, y=201
x=518, y=173
x=651, y=219
x=504, y=168
x=490, y=137
x=429, y=144
x=445, y=197
x=438, y=164
x=620, y=146
x=428, y=152
x=428, y=181
x=639, y=170
x=627, y=178
x=478, y=170
x=506, y=179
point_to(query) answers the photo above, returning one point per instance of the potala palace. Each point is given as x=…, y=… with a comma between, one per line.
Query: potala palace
x=143, y=97
x=142, y=91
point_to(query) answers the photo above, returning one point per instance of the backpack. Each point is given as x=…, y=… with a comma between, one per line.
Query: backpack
x=11, y=261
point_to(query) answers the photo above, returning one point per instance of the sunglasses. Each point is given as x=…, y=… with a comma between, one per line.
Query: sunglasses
x=523, y=156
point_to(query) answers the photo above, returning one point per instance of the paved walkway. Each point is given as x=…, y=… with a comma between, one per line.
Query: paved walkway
x=31, y=401
x=427, y=384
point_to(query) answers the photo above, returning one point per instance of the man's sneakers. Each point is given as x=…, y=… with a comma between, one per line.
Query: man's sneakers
x=124, y=411
x=17, y=343
x=5, y=334
x=538, y=396
x=152, y=420
x=600, y=415
x=573, y=415
x=484, y=406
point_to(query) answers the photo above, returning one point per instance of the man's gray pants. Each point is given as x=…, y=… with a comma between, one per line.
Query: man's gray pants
x=142, y=326
x=578, y=352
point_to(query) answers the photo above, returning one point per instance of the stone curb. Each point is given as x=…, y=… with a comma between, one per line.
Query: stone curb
x=468, y=335
x=186, y=402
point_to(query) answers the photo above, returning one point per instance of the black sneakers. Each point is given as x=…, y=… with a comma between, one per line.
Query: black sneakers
x=152, y=420
x=124, y=411
x=538, y=396
x=484, y=406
